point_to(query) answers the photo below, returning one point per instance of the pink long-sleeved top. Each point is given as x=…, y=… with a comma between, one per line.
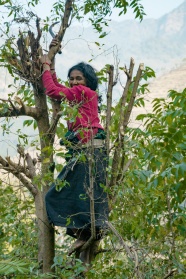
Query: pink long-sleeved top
x=87, y=121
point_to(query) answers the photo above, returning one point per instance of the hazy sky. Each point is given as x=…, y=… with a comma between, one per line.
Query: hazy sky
x=153, y=8
x=157, y=8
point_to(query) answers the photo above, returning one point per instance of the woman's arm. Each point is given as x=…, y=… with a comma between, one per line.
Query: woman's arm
x=58, y=93
x=55, y=90
x=54, y=77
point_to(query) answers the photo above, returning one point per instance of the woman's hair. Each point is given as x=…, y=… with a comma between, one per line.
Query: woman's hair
x=88, y=72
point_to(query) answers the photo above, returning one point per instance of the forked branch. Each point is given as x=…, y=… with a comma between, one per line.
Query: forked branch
x=65, y=22
x=13, y=170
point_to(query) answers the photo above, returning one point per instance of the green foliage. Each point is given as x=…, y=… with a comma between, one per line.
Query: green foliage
x=149, y=208
x=97, y=11
x=101, y=10
x=8, y=267
x=151, y=199
x=18, y=233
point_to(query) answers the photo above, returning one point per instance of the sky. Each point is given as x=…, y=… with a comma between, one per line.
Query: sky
x=153, y=8
x=156, y=8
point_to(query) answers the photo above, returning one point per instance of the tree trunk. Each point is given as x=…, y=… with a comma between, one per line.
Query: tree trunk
x=49, y=244
x=39, y=214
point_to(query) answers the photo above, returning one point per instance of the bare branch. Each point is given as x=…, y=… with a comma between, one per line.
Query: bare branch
x=30, y=165
x=170, y=273
x=125, y=92
x=133, y=96
x=119, y=141
x=5, y=165
x=18, y=167
x=126, y=247
x=109, y=105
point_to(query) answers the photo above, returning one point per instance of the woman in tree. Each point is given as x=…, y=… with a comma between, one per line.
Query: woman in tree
x=70, y=206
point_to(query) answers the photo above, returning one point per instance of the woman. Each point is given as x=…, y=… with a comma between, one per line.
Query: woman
x=70, y=206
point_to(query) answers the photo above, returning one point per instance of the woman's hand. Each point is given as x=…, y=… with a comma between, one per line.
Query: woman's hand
x=45, y=60
x=55, y=42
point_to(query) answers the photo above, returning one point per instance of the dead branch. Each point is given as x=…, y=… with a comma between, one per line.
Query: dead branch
x=119, y=141
x=109, y=106
x=30, y=165
x=39, y=31
x=31, y=188
x=170, y=273
x=126, y=247
x=118, y=160
x=133, y=96
x=134, y=256
x=125, y=93
x=18, y=167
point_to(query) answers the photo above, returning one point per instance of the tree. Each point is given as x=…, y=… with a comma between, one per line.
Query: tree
x=22, y=61
x=139, y=176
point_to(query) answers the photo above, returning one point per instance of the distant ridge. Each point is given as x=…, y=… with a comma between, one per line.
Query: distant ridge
x=159, y=43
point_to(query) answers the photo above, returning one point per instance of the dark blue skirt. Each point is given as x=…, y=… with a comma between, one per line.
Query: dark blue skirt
x=70, y=206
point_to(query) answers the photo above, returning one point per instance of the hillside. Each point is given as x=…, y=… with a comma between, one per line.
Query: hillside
x=159, y=88
x=159, y=43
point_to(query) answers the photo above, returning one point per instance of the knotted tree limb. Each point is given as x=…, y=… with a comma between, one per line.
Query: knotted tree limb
x=18, y=167
x=129, y=74
x=133, y=96
x=30, y=165
x=22, y=110
x=64, y=24
x=31, y=188
x=23, y=45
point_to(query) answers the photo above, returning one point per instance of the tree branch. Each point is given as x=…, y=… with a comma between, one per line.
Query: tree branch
x=129, y=75
x=170, y=273
x=22, y=110
x=7, y=167
x=18, y=167
x=55, y=117
x=64, y=24
x=119, y=141
x=126, y=247
x=109, y=105
x=133, y=96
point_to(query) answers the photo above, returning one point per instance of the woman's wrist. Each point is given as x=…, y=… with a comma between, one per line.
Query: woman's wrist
x=46, y=66
x=46, y=63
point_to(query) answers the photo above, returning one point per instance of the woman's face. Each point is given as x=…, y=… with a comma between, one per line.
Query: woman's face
x=76, y=78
